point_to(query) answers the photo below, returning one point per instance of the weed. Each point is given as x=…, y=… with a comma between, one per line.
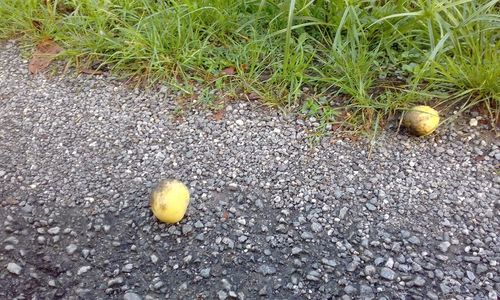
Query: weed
x=351, y=50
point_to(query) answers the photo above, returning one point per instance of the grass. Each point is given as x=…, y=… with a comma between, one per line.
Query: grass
x=335, y=60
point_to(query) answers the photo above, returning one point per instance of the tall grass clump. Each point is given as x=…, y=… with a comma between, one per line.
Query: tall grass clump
x=370, y=58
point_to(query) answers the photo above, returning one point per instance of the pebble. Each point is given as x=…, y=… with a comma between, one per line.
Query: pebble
x=370, y=270
x=370, y=206
x=419, y=281
x=54, y=230
x=414, y=240
x=115, y=282
x=329, y=262
x=313, y=276
x=85, y=253
x=387, y=273
x=71, y=249
x=443, y=246
x=343, y=212
x=14, y=268
x=366, y=292
x=128, y=267
x=222, y=295
x=306, y=235
x=198, y=224
x=267, y=270
x=154, y=258
x=472, y=259
x=158, y=285
x=205, y=273
x=187, y=229
x=131, y=296
x=83, y=269
x=316, y=227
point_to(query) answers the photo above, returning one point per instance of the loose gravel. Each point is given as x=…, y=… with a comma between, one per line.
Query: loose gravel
x=271, y=215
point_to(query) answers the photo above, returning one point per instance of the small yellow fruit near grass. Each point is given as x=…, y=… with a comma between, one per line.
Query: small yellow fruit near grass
x=169, y=201
x=421, y=120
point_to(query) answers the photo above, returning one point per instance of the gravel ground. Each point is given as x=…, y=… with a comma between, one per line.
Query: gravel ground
x=271, y=217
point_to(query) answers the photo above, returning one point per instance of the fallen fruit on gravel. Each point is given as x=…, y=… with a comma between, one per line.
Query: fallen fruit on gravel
x=169, y=201
x=421, y=120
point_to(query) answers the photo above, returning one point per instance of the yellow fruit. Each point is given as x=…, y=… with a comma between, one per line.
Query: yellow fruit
x=421, y=120
x=169, y=201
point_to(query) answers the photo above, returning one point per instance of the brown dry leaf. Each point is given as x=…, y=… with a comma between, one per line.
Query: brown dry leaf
x=252, y=96
x=219, y=115
x=43, y=55
x=91, y=71
x=228, y=71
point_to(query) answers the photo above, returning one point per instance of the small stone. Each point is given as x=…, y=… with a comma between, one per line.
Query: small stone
x=225, y=284
x=419, y=281
x=432, y=295
x=316, y=227
x=186, y=229
x=14, y=268
x=389, y=263
x=205, y=273
x=187, y=259
x=267, y=270
x=481, y=268
x=313, y=276
x=131, y=296
x=239, y=122
x=473, y=122
x=370, y=206
x=366, y=292
x=472, y=259
x=54, y=230
x=329, y=262
x=71, y=249
x=11, y=240
x=154, y=258
x=349, y=289
x=128, y=267
x=158, y=285
x=445, y=289
x=306, y=235
x=263, y=291
x=259, y=204
x=414, y=240
x=296, y=250
x=222, y=295
x=370, y=270
x=198, y=224
x=471, y=275
x=387, y=273
x=85, y=253
x=115, y=281
x=443, y=246
x=83, y=269
x=352, y=266
x=343, y=212
x=405, y=234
